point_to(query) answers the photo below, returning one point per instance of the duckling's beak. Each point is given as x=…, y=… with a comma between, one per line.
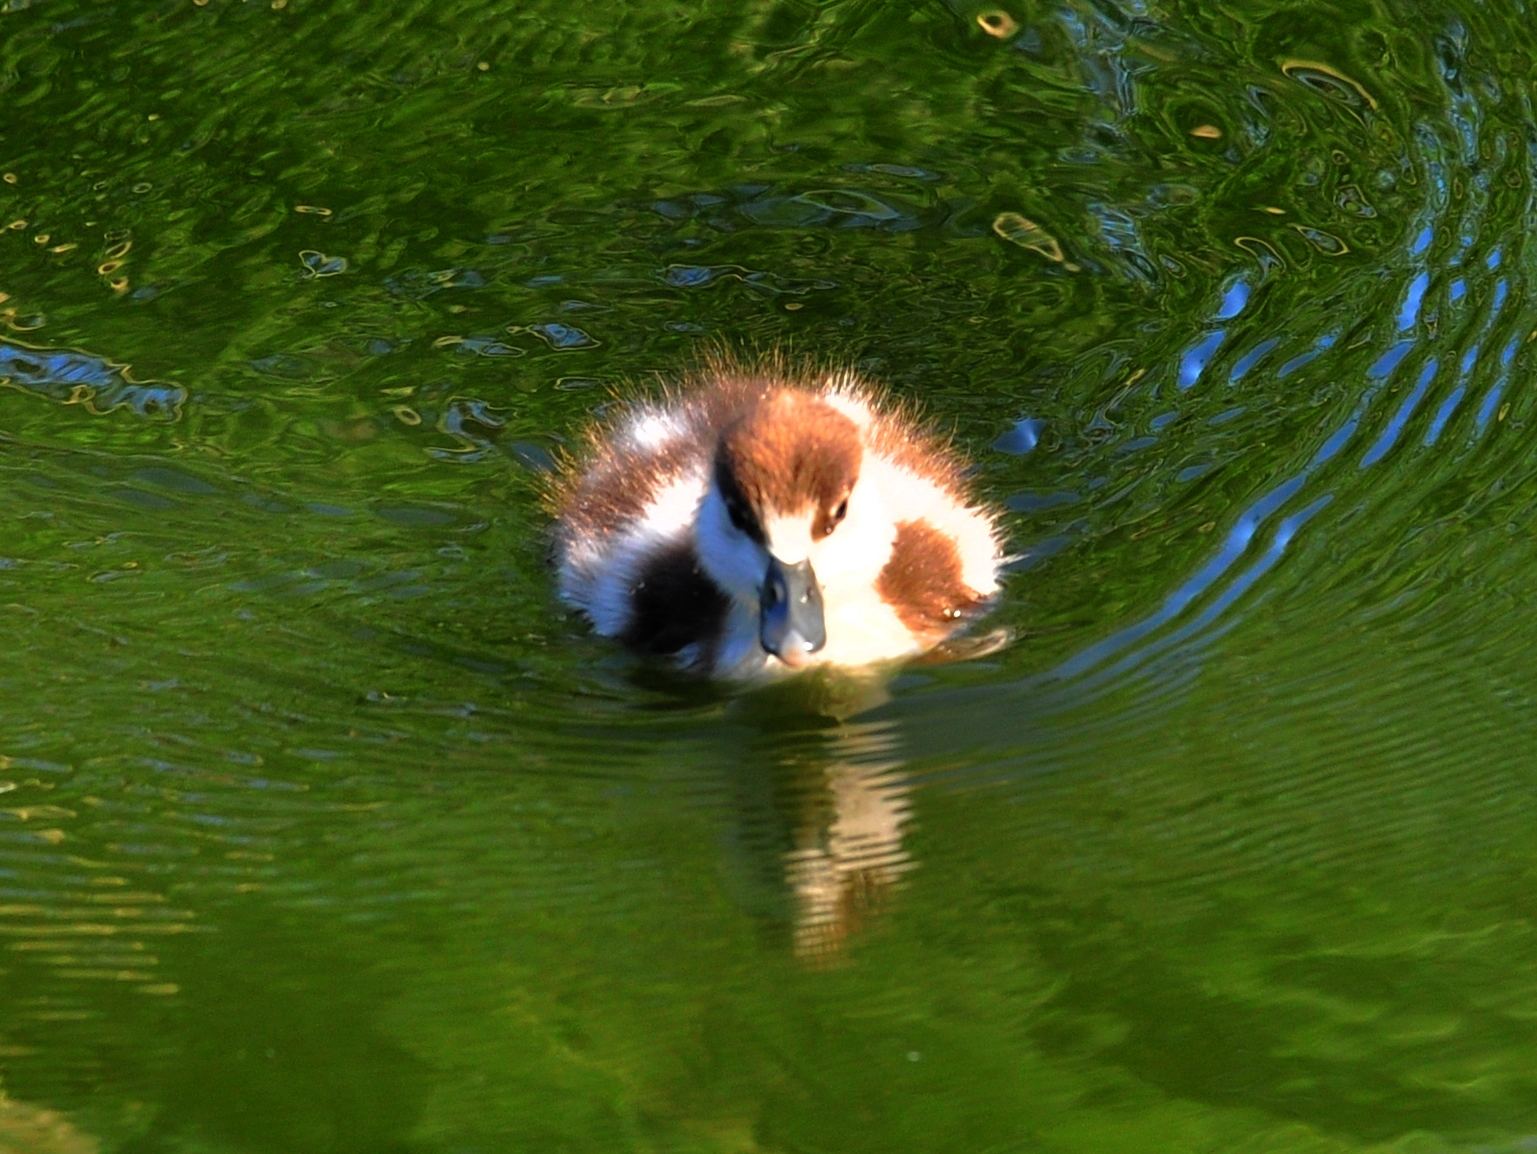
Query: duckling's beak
x=790, y=623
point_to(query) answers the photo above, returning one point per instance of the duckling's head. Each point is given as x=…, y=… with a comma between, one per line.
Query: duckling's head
x=785, y=520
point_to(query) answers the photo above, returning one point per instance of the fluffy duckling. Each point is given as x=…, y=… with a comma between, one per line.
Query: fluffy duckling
x=751, y=523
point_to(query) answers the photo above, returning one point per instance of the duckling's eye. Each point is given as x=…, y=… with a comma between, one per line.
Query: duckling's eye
x=738, y=514
x=826, y=524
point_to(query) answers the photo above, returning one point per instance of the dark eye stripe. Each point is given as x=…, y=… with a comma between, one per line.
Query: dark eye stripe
x=737, y=506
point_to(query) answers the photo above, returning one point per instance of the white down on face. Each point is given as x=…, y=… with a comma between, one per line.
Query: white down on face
x=861, y=626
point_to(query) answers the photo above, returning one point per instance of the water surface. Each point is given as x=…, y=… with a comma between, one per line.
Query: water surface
x=323, y=828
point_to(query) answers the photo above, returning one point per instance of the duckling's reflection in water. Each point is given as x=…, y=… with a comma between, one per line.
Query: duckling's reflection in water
x=834, y=819
x=37, y=1130
x=848, y=856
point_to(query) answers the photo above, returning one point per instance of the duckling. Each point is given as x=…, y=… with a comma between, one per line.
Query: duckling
x=754, y=522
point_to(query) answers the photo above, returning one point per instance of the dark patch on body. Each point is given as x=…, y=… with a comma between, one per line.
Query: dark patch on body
x=673, y=603
x=922, y=581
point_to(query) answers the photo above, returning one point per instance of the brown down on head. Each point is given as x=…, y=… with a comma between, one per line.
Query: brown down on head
x=791, y=452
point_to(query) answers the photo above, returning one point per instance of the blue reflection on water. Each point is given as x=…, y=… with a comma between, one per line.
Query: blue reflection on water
x=1383, y=366
x=1022, y=438
x=1319, y=346
x=1235, y=569
x=1444, y=414
x=1195, y=359
x=98, y=384
x=1251, y=358
x=1233, y=301
x=35, y=368
x=1395, y=428
x=1491, y=402
x=1234, y=546
x=1414, y=296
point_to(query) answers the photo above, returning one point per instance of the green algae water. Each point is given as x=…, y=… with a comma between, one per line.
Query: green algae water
x=324, y=828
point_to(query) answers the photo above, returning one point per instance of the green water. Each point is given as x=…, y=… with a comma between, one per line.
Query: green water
x=322, y=828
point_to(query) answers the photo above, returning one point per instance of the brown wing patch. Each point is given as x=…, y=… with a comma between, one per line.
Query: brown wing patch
x=922, y=581
x=791, y=451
